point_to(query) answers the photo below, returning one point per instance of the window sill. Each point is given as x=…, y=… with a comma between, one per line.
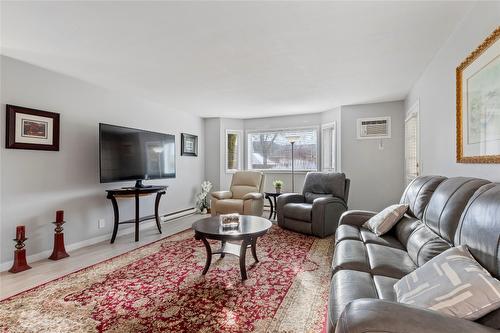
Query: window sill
x=284, y=171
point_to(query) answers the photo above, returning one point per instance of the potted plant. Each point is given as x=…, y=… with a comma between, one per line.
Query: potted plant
x=278, y=184
x=202, y=200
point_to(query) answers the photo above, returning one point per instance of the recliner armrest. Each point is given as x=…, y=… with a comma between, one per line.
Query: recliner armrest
x=253, y=196
x=328, y=200
x=221, y=195
x=375, y=315
x=356, y=217
x=326, y=212
x=289, y=198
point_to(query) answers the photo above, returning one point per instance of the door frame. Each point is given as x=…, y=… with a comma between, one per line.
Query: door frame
x=413, y=112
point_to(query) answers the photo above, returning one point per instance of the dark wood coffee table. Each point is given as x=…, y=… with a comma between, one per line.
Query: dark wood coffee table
x=250, y=228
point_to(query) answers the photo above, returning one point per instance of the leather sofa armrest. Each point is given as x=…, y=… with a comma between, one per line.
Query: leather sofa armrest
x=221, y=195
x=375, y=315
x=356, y=217
x=253, y=196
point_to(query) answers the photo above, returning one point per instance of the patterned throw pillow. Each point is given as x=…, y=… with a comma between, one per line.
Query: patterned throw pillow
x=386, y=219
x=453, y=283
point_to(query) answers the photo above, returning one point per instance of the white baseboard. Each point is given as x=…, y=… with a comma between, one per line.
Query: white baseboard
x=91, y=241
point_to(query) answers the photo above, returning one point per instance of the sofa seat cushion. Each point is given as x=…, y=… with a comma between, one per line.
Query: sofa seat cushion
x=298, y=211
x=388, y=261
x=350, y=254
x=369, y=237
x=346, y=231
x=385, y=287
x=347, y=286
x=229, y=206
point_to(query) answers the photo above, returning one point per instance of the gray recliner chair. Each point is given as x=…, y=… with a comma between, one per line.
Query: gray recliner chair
x=317, y=210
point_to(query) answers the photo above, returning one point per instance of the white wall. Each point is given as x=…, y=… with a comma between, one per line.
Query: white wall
x=436, y=92
x=212, y=152
x=37, y=183
x=377, y=176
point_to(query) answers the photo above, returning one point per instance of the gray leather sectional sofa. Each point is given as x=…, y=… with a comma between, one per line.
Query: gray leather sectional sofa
x=443, y=212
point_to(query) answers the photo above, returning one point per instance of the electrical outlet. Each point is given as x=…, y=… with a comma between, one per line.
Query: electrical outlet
x=101, y=223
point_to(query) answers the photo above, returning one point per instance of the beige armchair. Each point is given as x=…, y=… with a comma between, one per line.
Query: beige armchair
x=244, y=195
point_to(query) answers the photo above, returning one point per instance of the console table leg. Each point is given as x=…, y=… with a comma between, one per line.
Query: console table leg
x=243, y=252
x=137, y=217
x=157, y=205
x=117, y=218
x=209, y=255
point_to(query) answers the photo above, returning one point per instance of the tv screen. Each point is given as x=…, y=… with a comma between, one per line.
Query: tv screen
x=134, y=154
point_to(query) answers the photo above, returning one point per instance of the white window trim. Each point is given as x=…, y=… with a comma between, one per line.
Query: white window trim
x=239, y=133
x=414, y=111
x=332, y=125
x=284, y=129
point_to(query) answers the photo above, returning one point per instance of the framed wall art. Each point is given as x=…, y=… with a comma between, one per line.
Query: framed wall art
x=31, y=129
x=189, y=145
x=478, y=103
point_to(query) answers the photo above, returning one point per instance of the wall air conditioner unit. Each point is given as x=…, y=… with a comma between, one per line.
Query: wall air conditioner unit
x=374, y=128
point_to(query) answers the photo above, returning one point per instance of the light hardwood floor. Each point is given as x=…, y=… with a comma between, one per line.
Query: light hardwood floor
x=47, y=270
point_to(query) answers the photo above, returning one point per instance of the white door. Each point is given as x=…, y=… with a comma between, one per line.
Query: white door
x=412, y=144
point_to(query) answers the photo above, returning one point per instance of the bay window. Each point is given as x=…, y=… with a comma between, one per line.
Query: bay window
x=272, y=150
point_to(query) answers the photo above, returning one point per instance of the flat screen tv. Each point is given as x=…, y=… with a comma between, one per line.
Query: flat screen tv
x=134, y=154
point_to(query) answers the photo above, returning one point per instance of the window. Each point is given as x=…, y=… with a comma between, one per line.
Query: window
x=328, y=147
x=233, y=150
x=412, y=167
x=272, y=149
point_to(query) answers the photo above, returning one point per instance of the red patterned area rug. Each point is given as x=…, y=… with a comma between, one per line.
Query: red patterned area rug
x=159, y=288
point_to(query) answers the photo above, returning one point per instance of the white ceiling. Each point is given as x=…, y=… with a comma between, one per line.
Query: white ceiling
x=235, y=59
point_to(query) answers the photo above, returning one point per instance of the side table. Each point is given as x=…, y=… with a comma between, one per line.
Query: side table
x=271, y=196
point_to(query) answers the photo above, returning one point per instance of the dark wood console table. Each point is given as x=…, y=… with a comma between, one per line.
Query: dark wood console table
x=135, y=192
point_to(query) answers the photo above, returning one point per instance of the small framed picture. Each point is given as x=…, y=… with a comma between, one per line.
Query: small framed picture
x=189, y=145
x=31, y=129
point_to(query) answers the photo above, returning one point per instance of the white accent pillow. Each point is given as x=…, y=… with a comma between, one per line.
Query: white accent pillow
x=453, y=283
x=386, y=219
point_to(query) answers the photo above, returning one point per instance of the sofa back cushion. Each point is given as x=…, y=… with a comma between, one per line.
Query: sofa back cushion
x=418, y=193
x=441, y=216
x=423, y=245
x=479, y=227
x=321, y=184
x=244, y=182
x=446, y=205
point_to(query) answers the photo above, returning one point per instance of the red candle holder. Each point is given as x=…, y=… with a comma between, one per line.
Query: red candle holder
x=20, y=264
x=59, y=251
